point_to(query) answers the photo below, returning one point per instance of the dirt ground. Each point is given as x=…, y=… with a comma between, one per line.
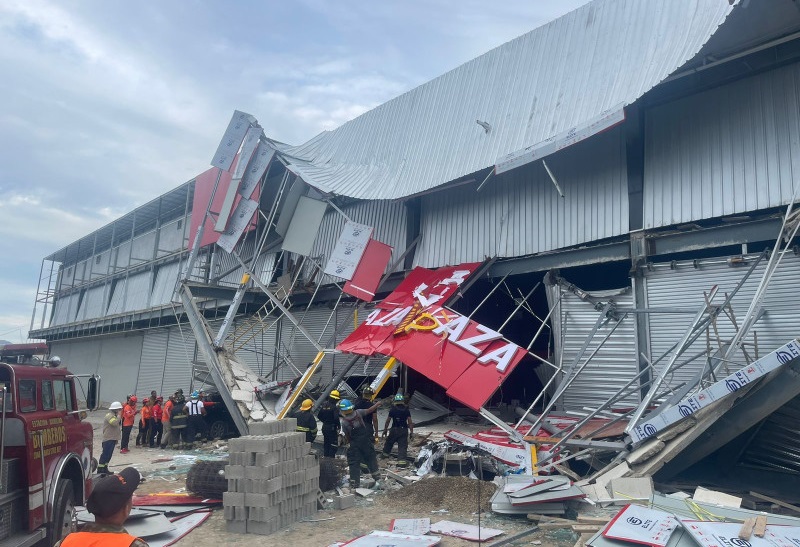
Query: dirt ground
x=450, y=498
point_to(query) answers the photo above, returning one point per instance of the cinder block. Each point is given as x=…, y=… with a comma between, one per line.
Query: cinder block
x=256, y=500
x=228, y=511
x=234, y=471
x=262, y=514
x=344, y=502
x=262, y=528
x=236, y=526
x=234, y=486
x=233, y=498
x=240, y=513
x=264, y=459
x=258, y=444
x=273, y=485
x=311, y=473
x=236, y=445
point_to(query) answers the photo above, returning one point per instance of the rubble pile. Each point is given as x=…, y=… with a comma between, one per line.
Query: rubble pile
x=273, y=480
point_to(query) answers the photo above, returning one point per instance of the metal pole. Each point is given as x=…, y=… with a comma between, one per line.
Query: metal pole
x=568, y=375
x=524, y=299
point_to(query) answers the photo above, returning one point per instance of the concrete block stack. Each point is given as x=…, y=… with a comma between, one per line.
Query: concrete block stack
x=273, y=479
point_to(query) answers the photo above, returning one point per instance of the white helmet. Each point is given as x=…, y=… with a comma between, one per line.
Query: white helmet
x=116, y=405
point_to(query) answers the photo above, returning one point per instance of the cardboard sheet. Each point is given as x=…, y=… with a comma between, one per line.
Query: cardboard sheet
x=416, y=527
x=464, y=531
x=379, y=538
x=641, y=525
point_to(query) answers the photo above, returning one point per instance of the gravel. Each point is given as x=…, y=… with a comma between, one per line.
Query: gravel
x=454, y=494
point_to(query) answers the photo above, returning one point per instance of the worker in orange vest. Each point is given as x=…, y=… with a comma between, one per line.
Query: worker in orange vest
x=110, y=502
x=144, y=424
x=166, y=425
x=128, y=415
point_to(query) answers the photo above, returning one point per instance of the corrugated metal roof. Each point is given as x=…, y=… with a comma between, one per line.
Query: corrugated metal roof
x=606, y=53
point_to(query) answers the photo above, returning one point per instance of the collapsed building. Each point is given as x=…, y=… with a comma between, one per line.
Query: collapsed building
x=617, y=180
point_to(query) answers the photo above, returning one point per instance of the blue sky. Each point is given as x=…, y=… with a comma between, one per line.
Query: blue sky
x=105, y=104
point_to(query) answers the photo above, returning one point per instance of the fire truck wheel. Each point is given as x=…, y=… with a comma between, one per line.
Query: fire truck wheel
x=63, y=511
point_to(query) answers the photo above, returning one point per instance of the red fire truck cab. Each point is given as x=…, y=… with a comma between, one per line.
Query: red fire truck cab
x=46, y=459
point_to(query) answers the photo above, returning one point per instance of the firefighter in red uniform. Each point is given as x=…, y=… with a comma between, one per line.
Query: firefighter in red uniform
x=110, y=502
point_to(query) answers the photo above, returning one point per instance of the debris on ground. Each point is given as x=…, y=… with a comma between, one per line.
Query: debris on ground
x=454, y=494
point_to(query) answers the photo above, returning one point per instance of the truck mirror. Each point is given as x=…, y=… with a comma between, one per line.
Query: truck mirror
x=93, y=392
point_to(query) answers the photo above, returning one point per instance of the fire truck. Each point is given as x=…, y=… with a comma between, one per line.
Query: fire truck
x=46, y=461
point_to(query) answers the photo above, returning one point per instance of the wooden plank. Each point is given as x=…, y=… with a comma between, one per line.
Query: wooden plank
x=550, y=518
x=583, y=539
x=585, y=528
x=593, y=520
x=553, y=525
x=783, y=504
x=564, y=470
x=760, y=527
x=747, y=528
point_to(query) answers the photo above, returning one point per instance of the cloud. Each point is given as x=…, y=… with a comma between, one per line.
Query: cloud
x=107, y=105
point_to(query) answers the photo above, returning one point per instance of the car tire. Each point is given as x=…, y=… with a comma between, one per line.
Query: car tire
x=217, y=430
x=63, y=516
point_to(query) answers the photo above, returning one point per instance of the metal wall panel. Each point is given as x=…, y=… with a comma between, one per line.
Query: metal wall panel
x=143, y=248
x=178, y=363
x=171, y=237
x=728, y=150
x=521, y=212
x=66, y=307
x=682, y=284
x=154, y=356
x=138, y=292
x=115, y=358
x=614, y=364
x=386, y=217
x=92, y=303
x=116, y=303
x=100, y=264
x=81, y=271
x=164, y=286
x=123, y=255
x=66, y=277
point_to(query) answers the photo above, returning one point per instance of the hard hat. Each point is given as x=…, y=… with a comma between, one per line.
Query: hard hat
x=195, y=394
x=133, y=399
x=367, y=390
x=399, y=399
x=160, y=399
x=346, y=406
x=335, y=394
x=116, y=405
x=306, y=404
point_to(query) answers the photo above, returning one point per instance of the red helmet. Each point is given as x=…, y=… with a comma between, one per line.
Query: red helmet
x=133, y=398
x=160, y=399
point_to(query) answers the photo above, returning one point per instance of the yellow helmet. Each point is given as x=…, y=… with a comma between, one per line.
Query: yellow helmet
x=335, y=394
x=306, y=405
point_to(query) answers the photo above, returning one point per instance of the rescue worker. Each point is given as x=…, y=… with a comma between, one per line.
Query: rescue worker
x=306, y=421
x=144, y=424
x=178, y=421
x=361, y=447
x=402, y=429
x=166, y=425
x=362, y=403
x=195, y=410
x=329, y=416
x=111, y=435
x=155, y=423
x=153, y=398
x=128, y=415
x=110, y=502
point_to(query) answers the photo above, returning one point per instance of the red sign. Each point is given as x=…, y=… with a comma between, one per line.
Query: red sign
x=203, y=188
x=369, y=271
x=469, y=359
